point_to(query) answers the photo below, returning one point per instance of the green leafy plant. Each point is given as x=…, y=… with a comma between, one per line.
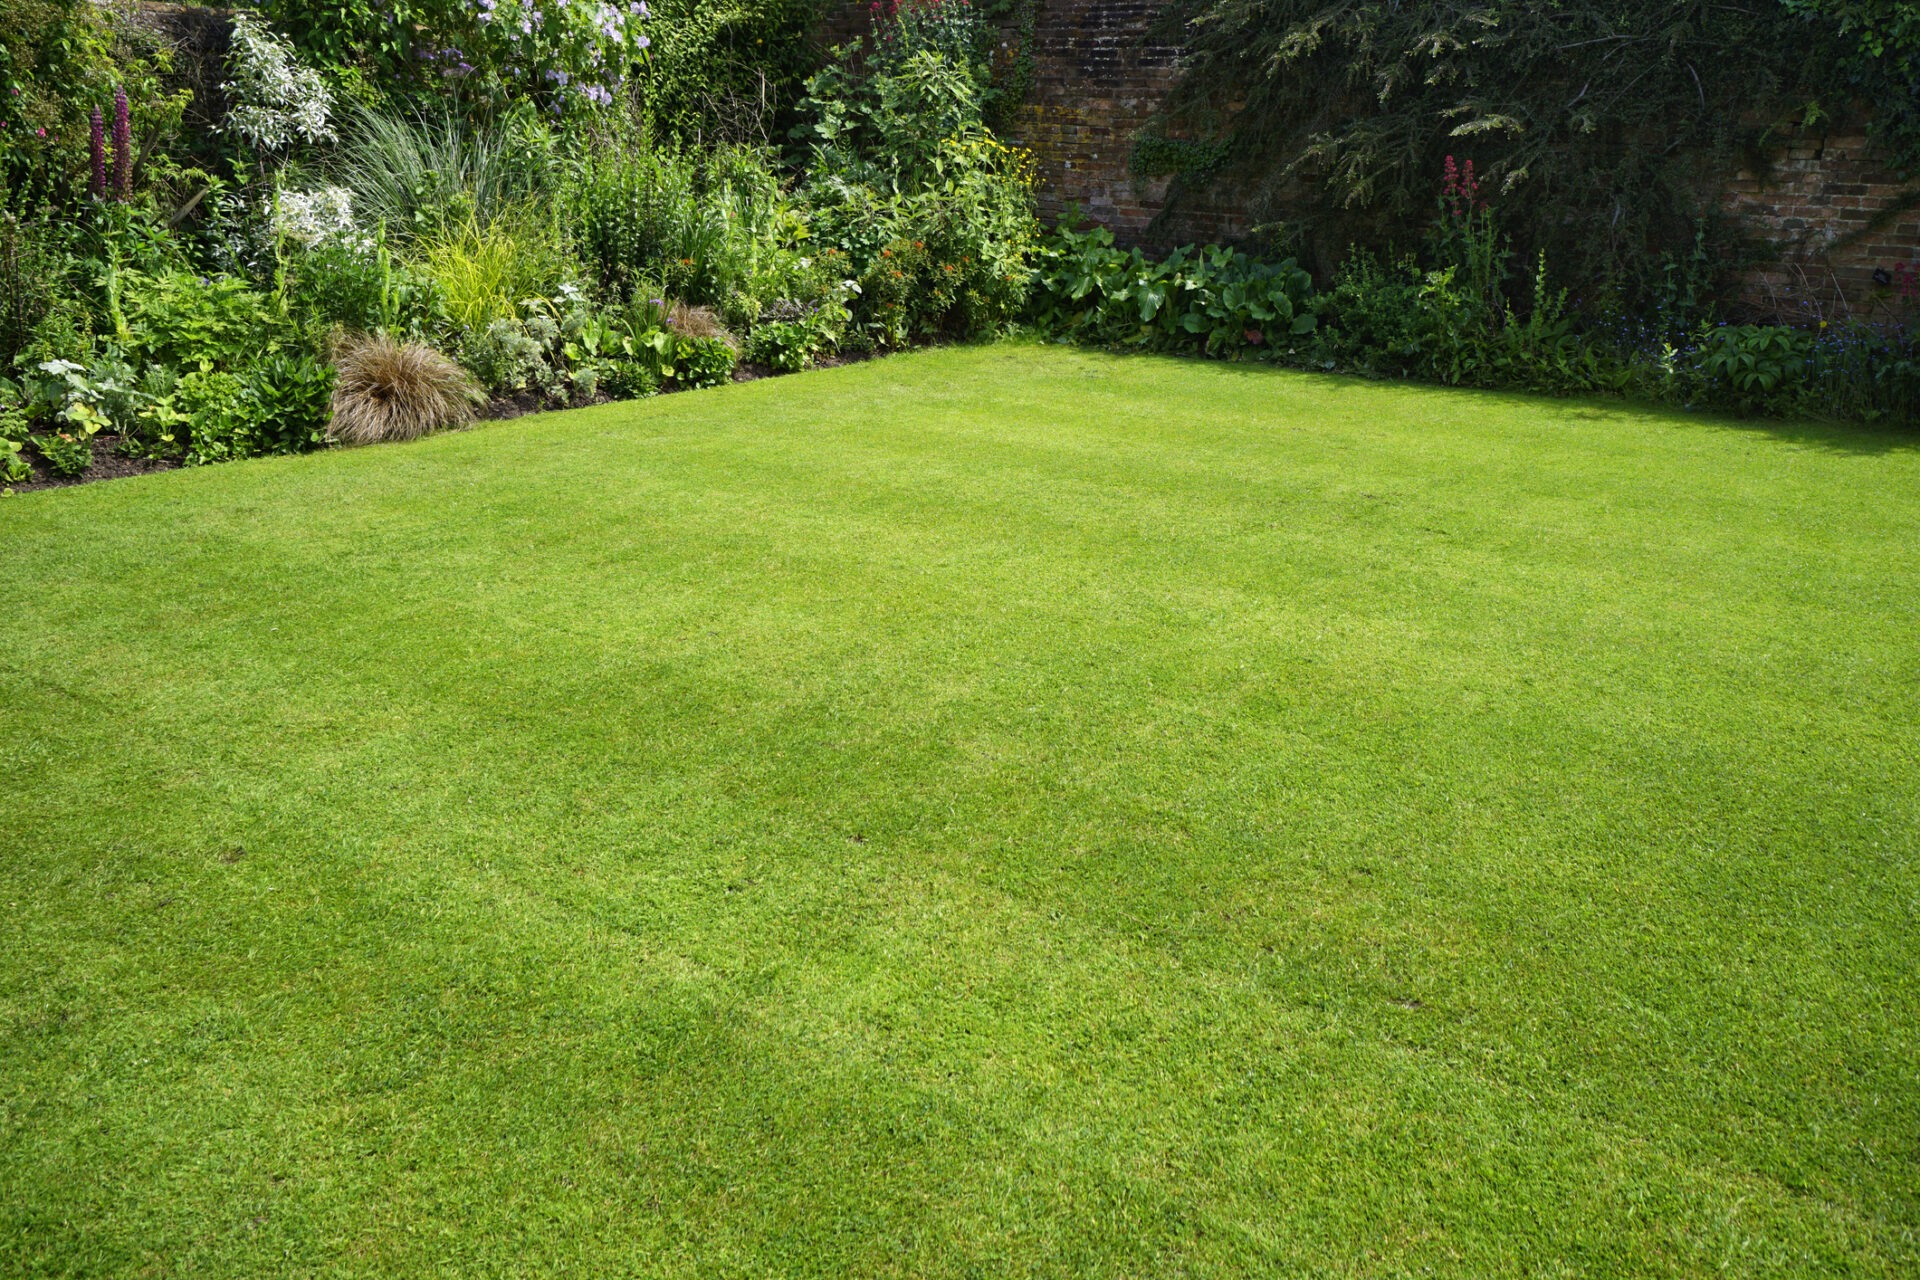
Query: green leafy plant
x=1753, y=365
x=1213, y=300
x=14, y=422
x=882, y=110
x=703, y=362
x=630, y=378
x=787, y=345
x=13, y=467
x=188, y=321
x=14, y=431
x=219, y=424
x=66, y=453
x=290, y=397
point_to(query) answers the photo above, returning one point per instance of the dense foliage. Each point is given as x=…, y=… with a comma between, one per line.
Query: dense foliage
x=904, y=177
x=727, y=70
x=506, y=183
x=1451, y=316
x=1599, y=124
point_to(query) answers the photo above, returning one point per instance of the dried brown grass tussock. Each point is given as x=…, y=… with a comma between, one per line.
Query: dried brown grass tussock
x=390, y=390
x=698, y=322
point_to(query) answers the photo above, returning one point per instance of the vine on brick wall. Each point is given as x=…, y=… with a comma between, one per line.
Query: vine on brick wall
x=1601, y=124
x=1014, y=85
x=728, y=70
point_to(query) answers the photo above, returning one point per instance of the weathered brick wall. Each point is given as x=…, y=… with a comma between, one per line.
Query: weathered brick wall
x=1098, y=76
x=1846, y=230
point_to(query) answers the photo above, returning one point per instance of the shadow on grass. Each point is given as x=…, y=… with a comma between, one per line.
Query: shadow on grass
x=1832, y=437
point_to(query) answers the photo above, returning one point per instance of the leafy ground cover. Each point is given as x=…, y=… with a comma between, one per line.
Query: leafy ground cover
x=1001, y=811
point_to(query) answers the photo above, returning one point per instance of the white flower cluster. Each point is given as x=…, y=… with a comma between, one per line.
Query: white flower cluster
x=276, y=99
x=315, y=218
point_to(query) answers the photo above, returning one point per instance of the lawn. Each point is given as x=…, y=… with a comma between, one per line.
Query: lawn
x=991, y=812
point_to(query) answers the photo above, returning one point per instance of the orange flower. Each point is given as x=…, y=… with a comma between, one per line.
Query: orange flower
x=919, y=244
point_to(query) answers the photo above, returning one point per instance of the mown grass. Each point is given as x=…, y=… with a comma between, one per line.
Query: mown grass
x=990, y=812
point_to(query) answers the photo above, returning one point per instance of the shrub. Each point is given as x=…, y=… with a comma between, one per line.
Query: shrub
x=630, y=378
x=1748, y=365
x=879, y=115
x=570, y=57
x=276, y=100
x=956, y=261
x=787, y=345
x=1372, y=317
x=219, y=424
x=389, y=390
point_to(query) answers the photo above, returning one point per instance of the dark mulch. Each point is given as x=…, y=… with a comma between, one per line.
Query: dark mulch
x=106, y=465
x=516, y=406
x=501, y=408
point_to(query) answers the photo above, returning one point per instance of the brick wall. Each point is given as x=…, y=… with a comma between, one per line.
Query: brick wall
x=1843, y=227
x=1097, y=77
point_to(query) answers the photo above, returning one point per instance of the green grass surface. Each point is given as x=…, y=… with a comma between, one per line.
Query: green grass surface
x=990, y=812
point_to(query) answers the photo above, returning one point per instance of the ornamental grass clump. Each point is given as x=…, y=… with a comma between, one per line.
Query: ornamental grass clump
x=390, y=390
x=698, y=322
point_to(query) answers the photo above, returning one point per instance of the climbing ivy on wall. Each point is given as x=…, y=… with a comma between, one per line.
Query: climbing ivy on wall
x=730, y=70
x=1600, y=123
x=1880, y=63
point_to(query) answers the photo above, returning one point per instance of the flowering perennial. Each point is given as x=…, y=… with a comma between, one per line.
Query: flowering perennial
x=578, y=51
x=312, y=219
